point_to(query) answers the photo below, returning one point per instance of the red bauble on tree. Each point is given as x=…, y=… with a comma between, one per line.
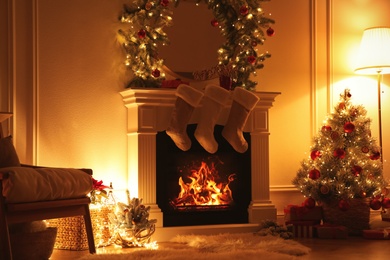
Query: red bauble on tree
x=164, y=3
x=386, y=203
x=214, y=22
x=156, y=73
x=315, y=154
x=142, y=34
x=244, y=10
x=314, y=174
x=356, y=170
x=339, y=153
x=252, y=59
x=349, y=127
x=270, y=32
x=326, y=128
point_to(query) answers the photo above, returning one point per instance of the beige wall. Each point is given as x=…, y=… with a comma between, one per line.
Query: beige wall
x=66, y=76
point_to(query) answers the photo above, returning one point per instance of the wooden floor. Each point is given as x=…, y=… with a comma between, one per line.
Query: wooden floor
x=329, y=249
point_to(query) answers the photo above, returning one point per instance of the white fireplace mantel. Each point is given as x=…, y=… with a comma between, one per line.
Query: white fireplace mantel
x=149, y=111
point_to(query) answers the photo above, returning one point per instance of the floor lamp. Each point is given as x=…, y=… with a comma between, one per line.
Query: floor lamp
x=3, y=116
x=374, y=59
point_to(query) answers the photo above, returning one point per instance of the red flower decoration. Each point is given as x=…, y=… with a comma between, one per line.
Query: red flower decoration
x=339, y=153
x=349, y=127
x=315, y=154
x=252, y=59
x=375, y=156
x=142, y=34
x=356, y=170
x=244, y=10
x=98, y=185
x=156, y=73
x=314, y=174
x=164, y=3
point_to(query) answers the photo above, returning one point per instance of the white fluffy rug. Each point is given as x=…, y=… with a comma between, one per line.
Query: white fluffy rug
x=217, y=247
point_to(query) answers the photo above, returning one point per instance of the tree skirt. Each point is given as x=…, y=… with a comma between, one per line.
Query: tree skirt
x=223, y=246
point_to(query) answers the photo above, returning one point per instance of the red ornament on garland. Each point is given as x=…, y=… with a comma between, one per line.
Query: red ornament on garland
x=314, y=174
x=214, y=22
x=309, y=203
x=251, y=59
x=244, y=10
x=270, y=32
x=339, y=153
x=344, y=205
x=164, y=3
x=375, y=204
x=142, y=34
x=349, y=127
x=365, y=149
x=156, y=73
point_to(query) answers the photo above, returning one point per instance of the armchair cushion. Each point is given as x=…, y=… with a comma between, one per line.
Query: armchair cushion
x=24, y=184
x=8, y=155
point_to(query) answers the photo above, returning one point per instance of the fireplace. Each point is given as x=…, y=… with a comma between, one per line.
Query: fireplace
x=148, y=116
x=199, y=188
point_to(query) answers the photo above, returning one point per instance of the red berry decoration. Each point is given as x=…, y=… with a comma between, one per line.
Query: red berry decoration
x=339, y=153
x=315, y=154
x=349, y=127
x=164, y=3
x=270, y=32
x=141, y=34
x=314, y=174
x=309, y=203
x=386, y=203
x=156, y=73
x=244, y=10
x=344, y=205
x=375, y=204
x=214, y=23
x=252, y=59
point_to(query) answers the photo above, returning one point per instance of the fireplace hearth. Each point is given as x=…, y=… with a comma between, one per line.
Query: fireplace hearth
x=148, y=115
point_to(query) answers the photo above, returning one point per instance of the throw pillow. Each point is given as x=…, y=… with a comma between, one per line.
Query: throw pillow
x=8, y=155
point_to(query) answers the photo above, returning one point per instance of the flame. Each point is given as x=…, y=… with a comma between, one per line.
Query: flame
x=203, y=190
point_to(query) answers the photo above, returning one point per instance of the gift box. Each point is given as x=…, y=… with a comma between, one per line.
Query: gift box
x=302, y=229
x=302, y=213
x=330, y=231
x=71, y=233
x=377, y=234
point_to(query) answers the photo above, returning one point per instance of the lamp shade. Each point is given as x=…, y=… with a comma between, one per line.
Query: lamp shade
x=374, y=53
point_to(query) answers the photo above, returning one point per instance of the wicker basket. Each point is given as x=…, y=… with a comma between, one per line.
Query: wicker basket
x=356, y=218
x=33, y=246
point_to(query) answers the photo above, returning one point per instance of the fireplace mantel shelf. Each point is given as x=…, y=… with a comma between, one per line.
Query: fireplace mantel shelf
x=149, y=111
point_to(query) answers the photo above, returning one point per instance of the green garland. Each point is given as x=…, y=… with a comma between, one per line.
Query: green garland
x=241, y=23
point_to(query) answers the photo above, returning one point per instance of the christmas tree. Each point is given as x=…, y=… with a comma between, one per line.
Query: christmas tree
x=345, y=161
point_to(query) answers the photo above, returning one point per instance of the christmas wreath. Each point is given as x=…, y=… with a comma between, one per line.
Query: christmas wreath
x=241, y=23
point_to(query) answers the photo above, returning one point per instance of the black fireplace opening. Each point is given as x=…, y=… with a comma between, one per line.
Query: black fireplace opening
x=226, y=173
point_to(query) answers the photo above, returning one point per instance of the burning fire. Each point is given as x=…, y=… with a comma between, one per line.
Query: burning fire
x=203, y=190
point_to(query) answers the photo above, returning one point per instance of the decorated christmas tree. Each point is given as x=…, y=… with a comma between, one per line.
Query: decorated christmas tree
x=345, y=163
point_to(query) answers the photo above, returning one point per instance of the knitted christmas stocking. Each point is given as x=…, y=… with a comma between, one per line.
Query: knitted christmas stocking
x=214, y=99
x=187, y=98
x=243, y=103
